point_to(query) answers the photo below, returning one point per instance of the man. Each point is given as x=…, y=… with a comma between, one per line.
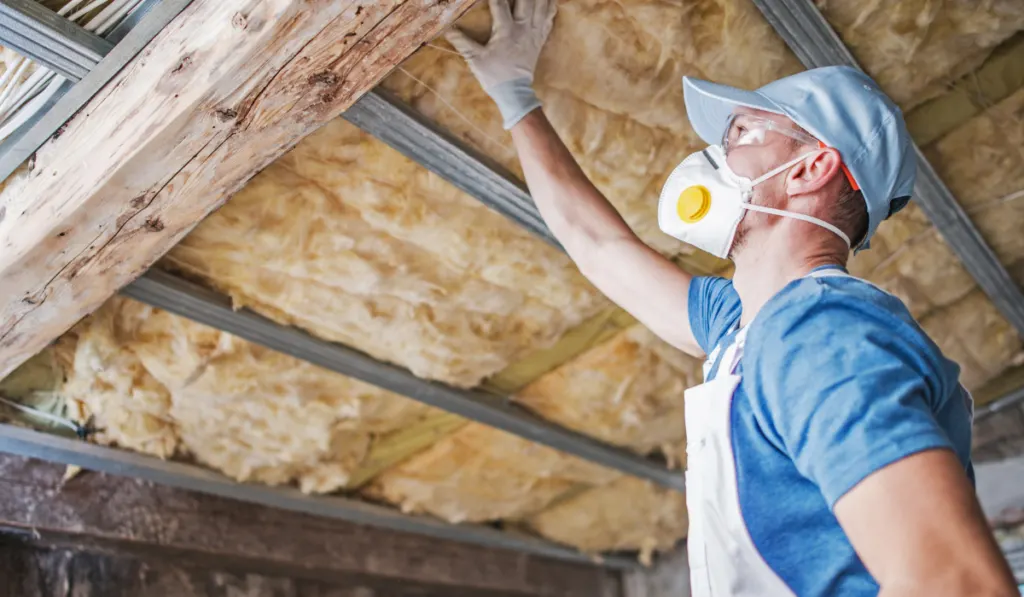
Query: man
x=829, y=449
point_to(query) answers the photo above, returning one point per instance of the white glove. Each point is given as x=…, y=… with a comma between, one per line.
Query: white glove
x=505, y=64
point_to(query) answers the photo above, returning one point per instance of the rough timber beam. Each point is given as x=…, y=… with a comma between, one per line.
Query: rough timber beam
x=812, y=39
x=224, y=89
x=326, y=543
x=118, y=47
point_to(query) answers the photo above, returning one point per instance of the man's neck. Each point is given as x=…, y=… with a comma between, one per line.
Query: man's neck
x=763, y=269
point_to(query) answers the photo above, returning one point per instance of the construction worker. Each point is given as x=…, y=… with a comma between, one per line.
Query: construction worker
x=829, y=447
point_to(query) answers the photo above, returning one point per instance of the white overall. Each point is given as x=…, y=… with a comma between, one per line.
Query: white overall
x=723, y=558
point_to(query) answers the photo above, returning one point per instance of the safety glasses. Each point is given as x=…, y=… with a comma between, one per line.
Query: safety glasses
x=747, y=129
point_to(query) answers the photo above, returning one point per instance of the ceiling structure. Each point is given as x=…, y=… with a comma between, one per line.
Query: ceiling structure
x=354, y=243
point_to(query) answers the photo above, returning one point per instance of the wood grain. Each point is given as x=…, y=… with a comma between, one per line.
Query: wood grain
x=119, y=515
x=28, y=569
x=226, y=88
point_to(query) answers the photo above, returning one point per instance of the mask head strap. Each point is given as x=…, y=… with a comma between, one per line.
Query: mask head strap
x=790, y=214
x=798, y=216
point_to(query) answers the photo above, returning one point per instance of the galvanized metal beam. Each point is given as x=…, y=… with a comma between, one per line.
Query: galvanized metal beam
x=816, y=44
x=31, y=29
x=1011, y=399
x=389, y=119
x=192, y=301
x=53, y=448
x=122, y=44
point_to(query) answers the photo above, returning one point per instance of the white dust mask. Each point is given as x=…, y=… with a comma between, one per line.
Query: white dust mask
x=703, y=202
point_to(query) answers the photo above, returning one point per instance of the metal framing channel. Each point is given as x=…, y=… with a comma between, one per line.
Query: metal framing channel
x=124, y=42
x=812, y=39
x=32, y=30
x=171, y=293
x=62, y=450
x=389, y=119
x=1011, y=399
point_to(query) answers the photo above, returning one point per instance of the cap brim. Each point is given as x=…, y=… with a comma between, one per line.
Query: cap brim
x=708, y=106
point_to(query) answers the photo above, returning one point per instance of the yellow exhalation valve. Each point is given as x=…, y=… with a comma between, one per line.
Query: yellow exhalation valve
x=693, y=204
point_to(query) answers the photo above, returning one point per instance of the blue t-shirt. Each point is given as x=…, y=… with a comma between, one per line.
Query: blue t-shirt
x=838, y=381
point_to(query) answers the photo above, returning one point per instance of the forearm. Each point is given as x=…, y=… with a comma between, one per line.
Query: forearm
x=579, y=216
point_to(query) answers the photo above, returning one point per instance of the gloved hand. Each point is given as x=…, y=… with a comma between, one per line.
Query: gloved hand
x=504, y=66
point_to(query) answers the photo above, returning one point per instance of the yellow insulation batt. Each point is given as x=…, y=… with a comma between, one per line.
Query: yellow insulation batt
x=610, y=79
x=479, y=474
x=346, y=238
x=163, y=385
x=610, y=82
x=983, y=163
x=914, y=48
x=627, y=391
x=626, y=514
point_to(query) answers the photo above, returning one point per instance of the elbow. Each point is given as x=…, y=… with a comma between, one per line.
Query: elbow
x=591, y=257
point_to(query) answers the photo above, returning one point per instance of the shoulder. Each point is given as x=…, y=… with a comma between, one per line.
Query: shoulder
x=835, y=328
x=817, y=307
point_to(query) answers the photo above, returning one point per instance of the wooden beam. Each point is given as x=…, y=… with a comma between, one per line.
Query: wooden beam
x=226, y=88
x=121, y=515
x=34, y=568
x=190, y=477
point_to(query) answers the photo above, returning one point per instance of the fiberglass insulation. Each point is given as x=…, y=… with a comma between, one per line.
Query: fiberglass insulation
x=609, y=78
x=982, y=161
x=161, y=384
x=346, y=238
x=626, y=391
x=479, y=473
x=610, y=82
x=914, y=48
x=628, y=513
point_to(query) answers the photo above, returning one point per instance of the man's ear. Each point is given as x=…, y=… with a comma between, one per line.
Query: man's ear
x=814, y=172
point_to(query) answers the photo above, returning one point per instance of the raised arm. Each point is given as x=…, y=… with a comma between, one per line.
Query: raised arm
x=607, y=252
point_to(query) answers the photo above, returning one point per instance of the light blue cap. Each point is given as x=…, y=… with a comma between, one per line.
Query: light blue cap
x=842, y=107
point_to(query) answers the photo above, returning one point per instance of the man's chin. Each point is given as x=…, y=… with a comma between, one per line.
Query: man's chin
x=739, y=241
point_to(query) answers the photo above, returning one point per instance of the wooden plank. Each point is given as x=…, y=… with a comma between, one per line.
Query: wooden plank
x=39, y=569
x=127, y=515
x=227, y=87
x=189, y=477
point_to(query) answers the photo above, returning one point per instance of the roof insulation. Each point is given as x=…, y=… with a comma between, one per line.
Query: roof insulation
x=479, y=474
x=915, y=48
x=349, y=240
x=610, y=82
x=982, y=161
x=625, y=514
x=161, y=384
x=626, y=391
